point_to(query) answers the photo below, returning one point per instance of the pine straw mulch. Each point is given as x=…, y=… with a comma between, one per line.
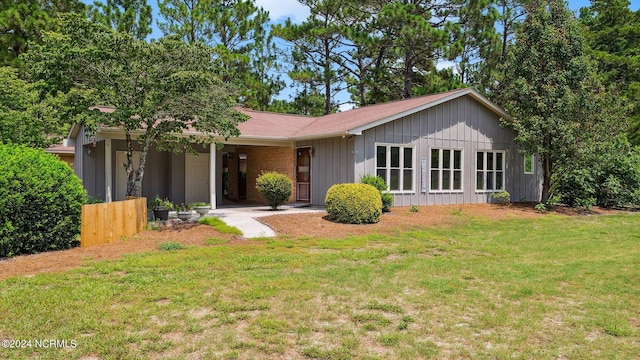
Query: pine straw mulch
x=302, y=224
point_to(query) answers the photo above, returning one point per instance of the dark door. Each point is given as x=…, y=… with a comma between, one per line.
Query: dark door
x=303, y=175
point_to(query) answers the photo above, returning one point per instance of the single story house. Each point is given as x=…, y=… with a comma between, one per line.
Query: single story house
x=65, y=152
x=446, y=148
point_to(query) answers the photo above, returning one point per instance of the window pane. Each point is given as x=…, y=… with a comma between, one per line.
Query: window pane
x=394, y=180
x=407, y=180
x=499, y=180
x=457, y=180
x=489, y=161
x=381, y=155
x=408, y=158
x=490, y=180
x=499, y=161
x=457, y=159
x=435, y=158
x=434, y=179
x=479, y=160
x=382, y=173
x=446, y=159
x=395, y=156
x=528, y=164
x=446, y=180
x=480, y=180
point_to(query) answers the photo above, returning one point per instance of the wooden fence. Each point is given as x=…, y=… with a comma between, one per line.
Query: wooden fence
x=103, y=223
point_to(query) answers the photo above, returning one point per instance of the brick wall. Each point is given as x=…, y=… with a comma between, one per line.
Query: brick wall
x=259, y=159
x=268, y=158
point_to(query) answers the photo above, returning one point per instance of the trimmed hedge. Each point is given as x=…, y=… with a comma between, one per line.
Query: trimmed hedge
x=274, y=187
x=40, y=202
x=353, y=203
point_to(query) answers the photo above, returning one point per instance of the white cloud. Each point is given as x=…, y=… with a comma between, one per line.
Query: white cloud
x=446, y=64
x=280, y=10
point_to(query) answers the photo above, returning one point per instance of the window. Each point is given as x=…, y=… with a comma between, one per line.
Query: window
x=395, y=165
x=489, y=170
x=446, y=170
x=528, y=164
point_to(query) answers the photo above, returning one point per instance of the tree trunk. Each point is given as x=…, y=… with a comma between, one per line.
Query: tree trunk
x=327, y=78
x=546, y=182
x=408, y=73
x=128, y=166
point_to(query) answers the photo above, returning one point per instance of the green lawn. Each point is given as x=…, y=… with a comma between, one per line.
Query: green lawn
x=549, y=288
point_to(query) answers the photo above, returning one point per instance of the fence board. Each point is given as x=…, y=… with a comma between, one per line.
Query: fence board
x=104, y=223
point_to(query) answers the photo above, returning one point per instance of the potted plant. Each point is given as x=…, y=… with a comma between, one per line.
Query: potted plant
x=184, y=213
x=161, y=208
x=201, y=208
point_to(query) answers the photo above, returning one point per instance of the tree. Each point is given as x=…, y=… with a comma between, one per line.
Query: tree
x=552, y=92
x=160, y=90
x=26, y=20
x=613, y=34
x=128, y=16
x=30, y=118
x=315, y=43
x=238, y=31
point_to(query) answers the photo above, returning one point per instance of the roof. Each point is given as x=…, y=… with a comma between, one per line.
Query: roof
x=296, y=127
x=286, y=127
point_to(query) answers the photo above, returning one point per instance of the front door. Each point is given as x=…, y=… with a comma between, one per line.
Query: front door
x=303, y=175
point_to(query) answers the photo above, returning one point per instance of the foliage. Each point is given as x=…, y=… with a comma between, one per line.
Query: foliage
x=379, y=183
x=159, y=202
x=353, y=203
x=612, y=31
x=170, y=246
x=219, y=225
x=541, y=207
x=40, y=202
x=24, y=117
x=503, y=197
x=243, y=45
x=414, y=209
x=552, y=93
x=158, y=89
x=274, y=187
x=133, y=17
x=24, y=21
x=607, y=175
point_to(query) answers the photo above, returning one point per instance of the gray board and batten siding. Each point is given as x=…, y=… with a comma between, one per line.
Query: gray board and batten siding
x=459, y=124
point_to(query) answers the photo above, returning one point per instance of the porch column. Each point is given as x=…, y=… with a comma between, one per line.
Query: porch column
x=107, y=170
x=212, y=175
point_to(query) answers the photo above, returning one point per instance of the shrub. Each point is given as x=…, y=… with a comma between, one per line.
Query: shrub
x=379, y=183
x=274, y=187
x=502, y=197
x=353, y=203
x=40, y=202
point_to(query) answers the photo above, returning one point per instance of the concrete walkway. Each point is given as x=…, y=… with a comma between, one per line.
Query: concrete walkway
x=244, y=217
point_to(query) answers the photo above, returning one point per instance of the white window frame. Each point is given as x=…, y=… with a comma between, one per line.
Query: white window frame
x=401, y=168
x=451, y=170
x=533, y=164
x=484, y=170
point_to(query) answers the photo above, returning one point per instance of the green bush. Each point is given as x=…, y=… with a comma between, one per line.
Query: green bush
x=379, y=183
x=353, y=203
x=274, y=187
x=40, y=202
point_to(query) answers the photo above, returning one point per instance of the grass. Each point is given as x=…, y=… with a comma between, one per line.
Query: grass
x=220, y=225
x=554, y=287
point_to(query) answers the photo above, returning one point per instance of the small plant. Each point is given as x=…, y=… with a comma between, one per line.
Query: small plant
x=169, y=246
x=502, y=197
x=274, y=187
x=379, y=183
x=183, y=208
x=198, y=204
x=414, y=209
x=158, y=202
x=541, y=207
x=354, y=203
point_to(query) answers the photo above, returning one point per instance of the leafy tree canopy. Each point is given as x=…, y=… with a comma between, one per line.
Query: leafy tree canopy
x=161, y=91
